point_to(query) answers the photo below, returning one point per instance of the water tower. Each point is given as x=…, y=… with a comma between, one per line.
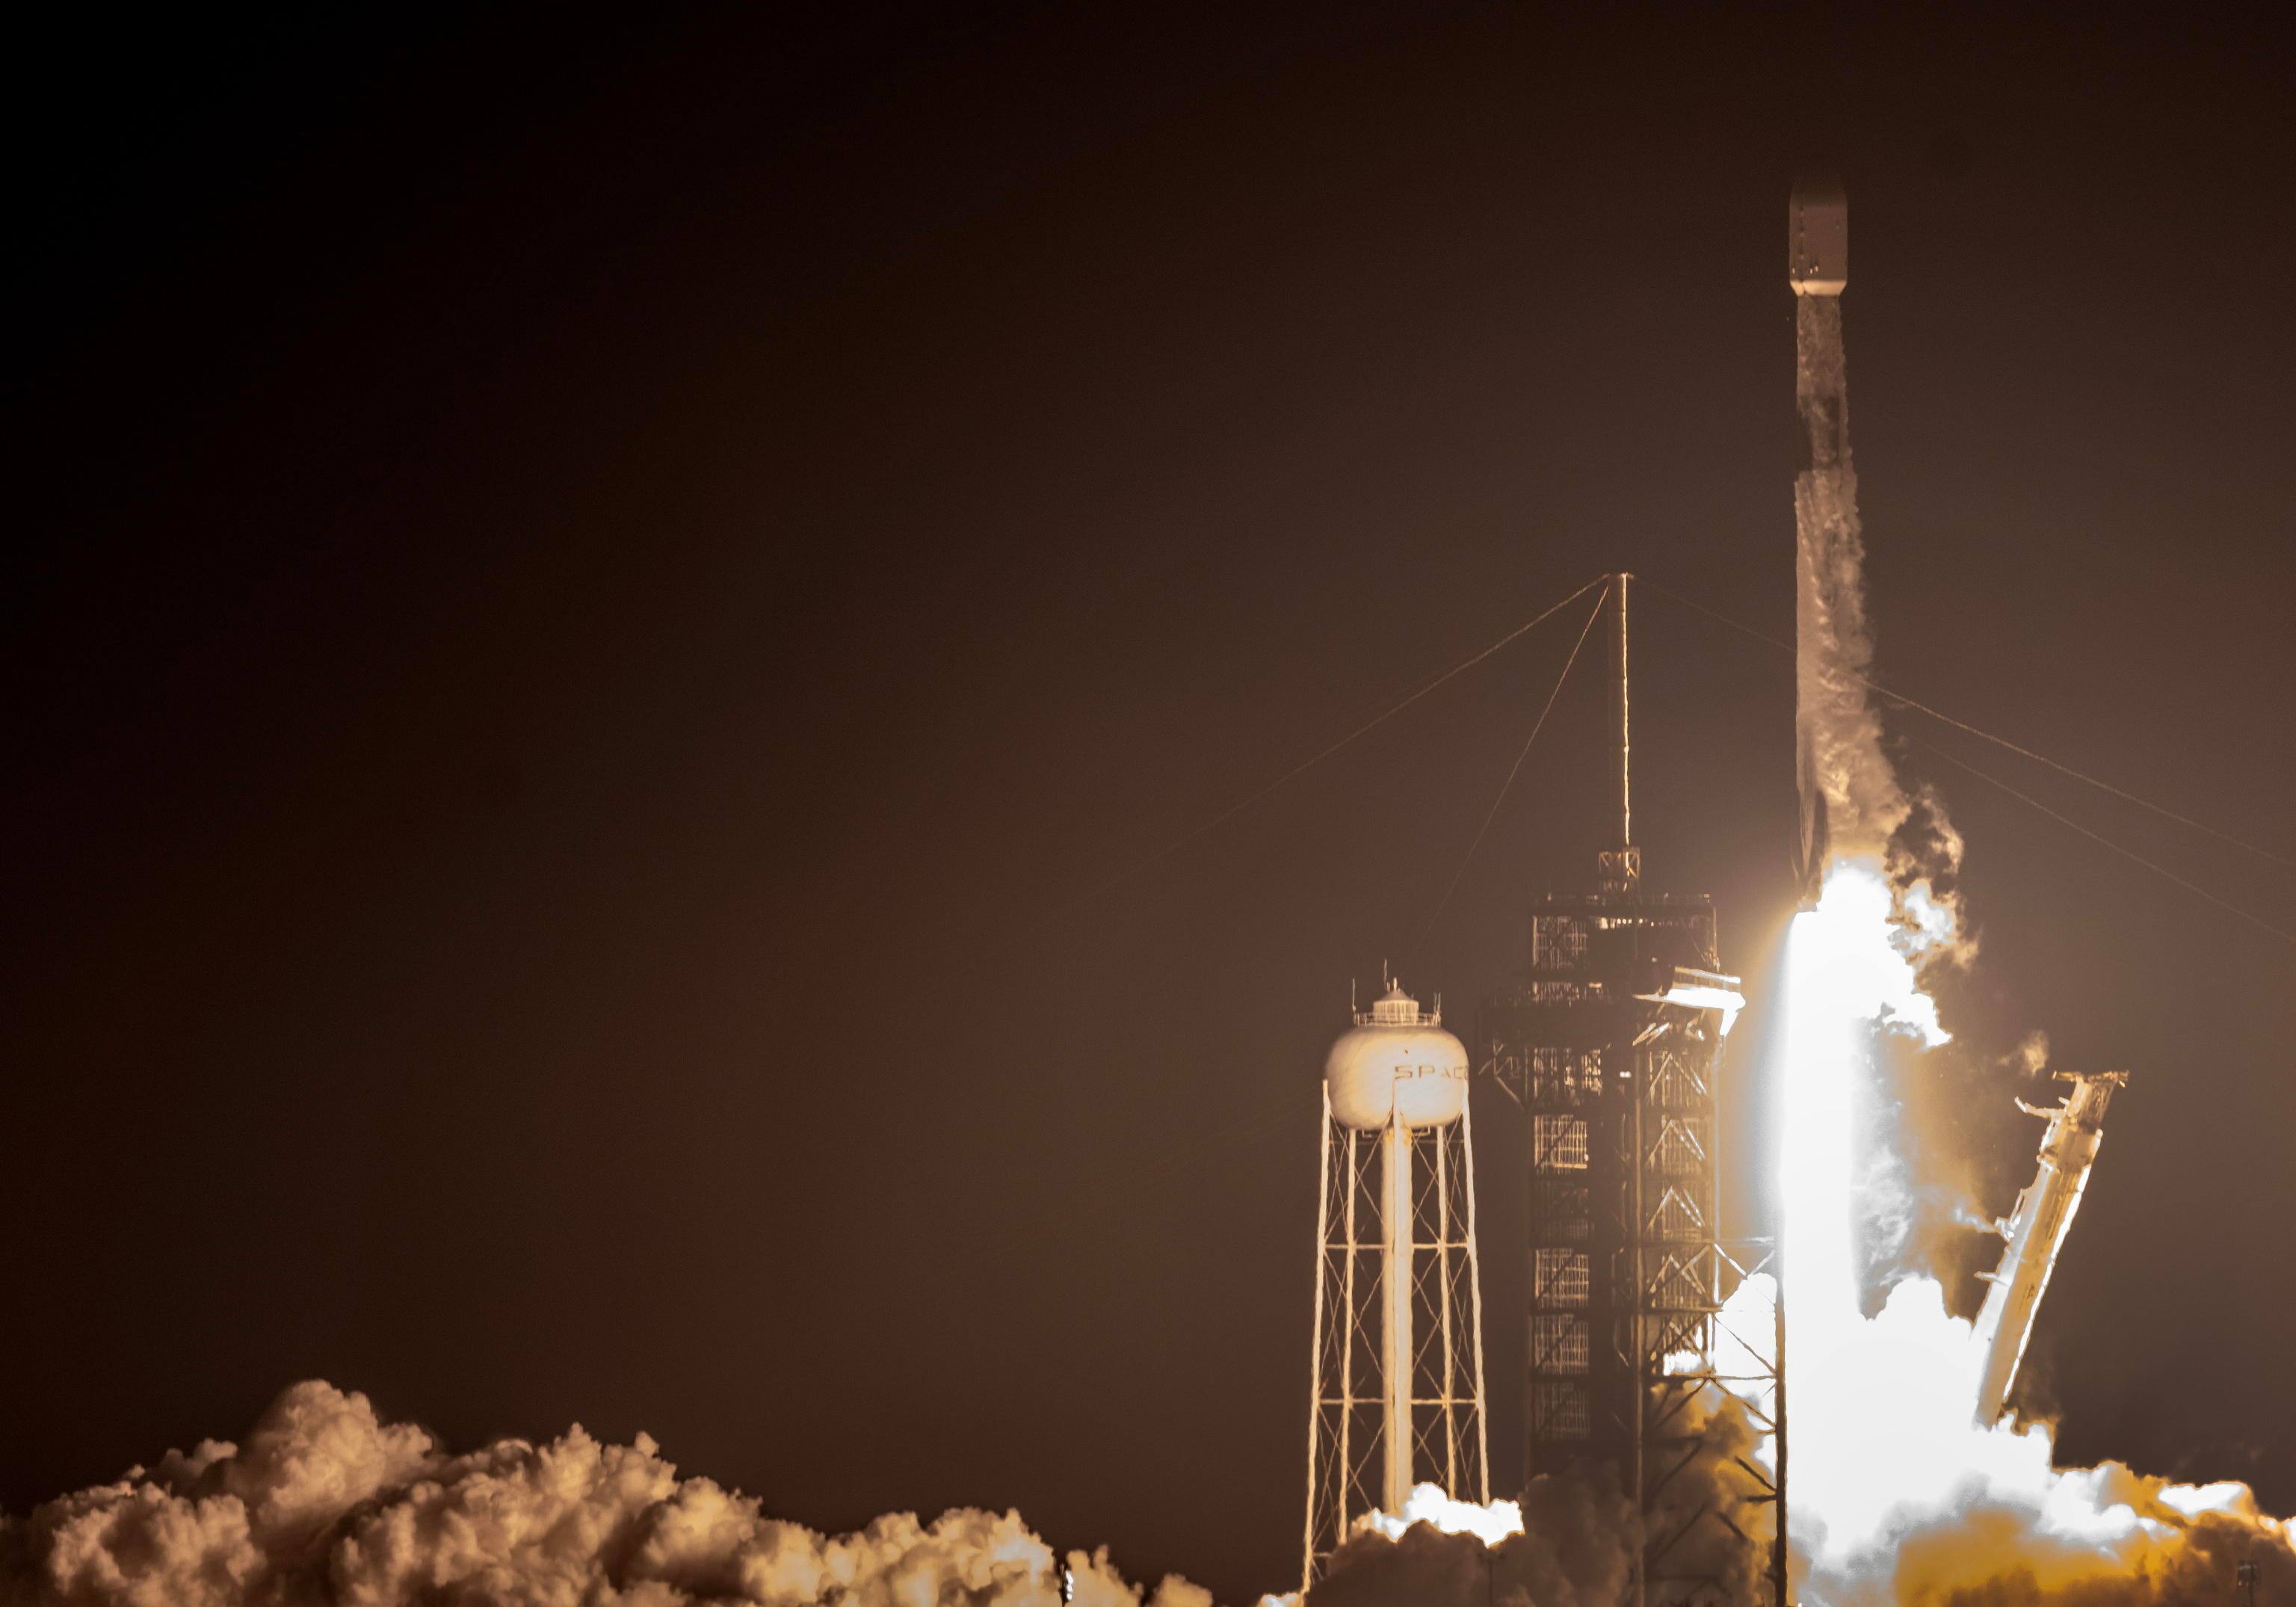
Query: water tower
x=1398, y=1370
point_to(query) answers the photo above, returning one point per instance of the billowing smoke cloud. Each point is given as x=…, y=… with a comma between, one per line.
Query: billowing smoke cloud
x=1999, y=1527
x=1567, y=1543
x=1571, y=1551
x=1902, y=1493
x=1904, y=1499
x=325, y=1505
x=1991, y=1557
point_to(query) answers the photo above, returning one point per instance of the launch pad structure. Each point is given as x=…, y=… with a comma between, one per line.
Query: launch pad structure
x=1611, y=1043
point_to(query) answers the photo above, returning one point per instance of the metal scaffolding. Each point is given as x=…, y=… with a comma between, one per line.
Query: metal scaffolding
x=1612, y=1045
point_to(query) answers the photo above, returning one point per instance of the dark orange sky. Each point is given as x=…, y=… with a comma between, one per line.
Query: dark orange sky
x=588, y=599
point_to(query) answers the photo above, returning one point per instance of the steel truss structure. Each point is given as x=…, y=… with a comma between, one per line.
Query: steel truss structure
x=1743, y=1362
x=1613, y=1047
x=1611, y=1044
x=1396, y=1380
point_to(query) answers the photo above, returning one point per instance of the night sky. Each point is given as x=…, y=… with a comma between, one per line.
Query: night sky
x=602, y=616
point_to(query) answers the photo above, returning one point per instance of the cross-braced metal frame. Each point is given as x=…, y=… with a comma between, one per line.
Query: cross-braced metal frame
x=1737, y=1364
x=1397, y=1376
x=1613, y=1048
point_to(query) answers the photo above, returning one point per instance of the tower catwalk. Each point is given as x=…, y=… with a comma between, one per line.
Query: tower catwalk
x=1397, y=1372
x=1612, y=1044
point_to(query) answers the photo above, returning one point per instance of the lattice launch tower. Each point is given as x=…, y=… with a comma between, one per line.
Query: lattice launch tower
x=1611, y=1043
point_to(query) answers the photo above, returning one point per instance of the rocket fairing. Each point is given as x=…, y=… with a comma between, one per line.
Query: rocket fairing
x=1817, y=240
x=2036, y=1232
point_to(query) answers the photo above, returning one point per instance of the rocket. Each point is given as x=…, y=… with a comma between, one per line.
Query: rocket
x=1826, y=494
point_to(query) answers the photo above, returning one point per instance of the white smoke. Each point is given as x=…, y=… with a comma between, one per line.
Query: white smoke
x=1568, y=1543
x=327, y=1505
x=1564, y=1545
x=1429, y=1504
x=1902, y=1498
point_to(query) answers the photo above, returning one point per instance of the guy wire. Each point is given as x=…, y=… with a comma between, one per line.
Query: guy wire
x=2157, y=870
x=2001, y=741
x=1492, y=814
x=1381, y=719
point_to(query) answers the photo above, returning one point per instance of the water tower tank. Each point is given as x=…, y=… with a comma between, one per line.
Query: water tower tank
x=1393, y=1061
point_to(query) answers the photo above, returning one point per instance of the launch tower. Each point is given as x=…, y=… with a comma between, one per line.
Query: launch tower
x=1612, y=1044
x=1397, y=1375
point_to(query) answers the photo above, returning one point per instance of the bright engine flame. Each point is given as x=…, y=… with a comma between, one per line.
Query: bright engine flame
x=1848, y=966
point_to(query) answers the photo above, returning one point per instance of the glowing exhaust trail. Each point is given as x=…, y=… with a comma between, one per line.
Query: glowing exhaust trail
x=1846, y=972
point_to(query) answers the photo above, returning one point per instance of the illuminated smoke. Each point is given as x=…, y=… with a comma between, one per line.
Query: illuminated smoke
x=1565, y=1544
x=1429, y=1504
x=327, y=1506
